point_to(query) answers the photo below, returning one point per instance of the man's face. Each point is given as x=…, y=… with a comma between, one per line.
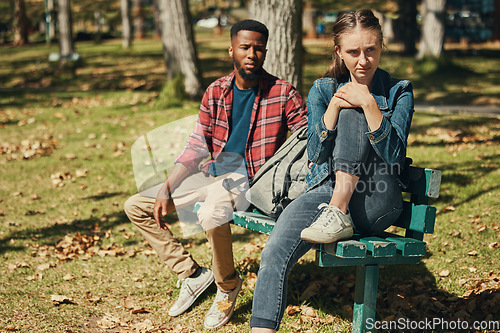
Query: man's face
x=248, y=50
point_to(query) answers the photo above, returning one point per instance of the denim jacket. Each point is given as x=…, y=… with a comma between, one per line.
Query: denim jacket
x=395, y=100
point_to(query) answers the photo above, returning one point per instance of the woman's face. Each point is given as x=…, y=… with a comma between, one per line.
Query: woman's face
x=360, y=49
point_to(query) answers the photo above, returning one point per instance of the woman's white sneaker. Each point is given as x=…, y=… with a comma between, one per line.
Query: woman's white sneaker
x=330, y=225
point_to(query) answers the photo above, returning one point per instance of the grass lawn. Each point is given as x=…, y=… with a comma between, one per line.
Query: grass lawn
x=71, y=261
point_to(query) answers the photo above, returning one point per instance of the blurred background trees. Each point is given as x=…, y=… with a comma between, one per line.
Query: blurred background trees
x=419, y=27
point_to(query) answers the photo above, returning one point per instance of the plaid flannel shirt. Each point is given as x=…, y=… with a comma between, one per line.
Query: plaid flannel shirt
x=278, y=107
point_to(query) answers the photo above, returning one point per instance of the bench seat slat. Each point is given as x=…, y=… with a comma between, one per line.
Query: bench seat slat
x=348, y=249
x=409, y=247
x=324, y=259
x=254, y=221
x=424, y=182
x=419, y=218
x=379, y=247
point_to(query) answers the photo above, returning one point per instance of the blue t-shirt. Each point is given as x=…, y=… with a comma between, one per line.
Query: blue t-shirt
x=233, y=156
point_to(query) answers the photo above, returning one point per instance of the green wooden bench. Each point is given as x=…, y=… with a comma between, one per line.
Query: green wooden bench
x=368, y=253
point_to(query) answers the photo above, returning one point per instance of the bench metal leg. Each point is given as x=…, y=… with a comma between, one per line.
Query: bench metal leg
x=365, y=297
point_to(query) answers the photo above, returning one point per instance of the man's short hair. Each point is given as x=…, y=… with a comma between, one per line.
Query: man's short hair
x=250, y=25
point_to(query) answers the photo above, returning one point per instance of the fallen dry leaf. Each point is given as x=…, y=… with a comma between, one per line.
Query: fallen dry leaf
x=292, y=309
x=70, y=156
x=43, y=267
x=144, y=327
x=251, y=248
x=134, y=309
x=68, y=277
x=108, y=322
x=36, y=276
x=308, y=311
x=224, y=305
x=11, y=328
x=80, y=173
x=251, y=280
x=444, y=273
x=449, y=209
x=61, y=299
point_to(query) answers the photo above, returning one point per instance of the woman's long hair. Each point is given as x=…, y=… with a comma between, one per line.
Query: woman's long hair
x=347, y=22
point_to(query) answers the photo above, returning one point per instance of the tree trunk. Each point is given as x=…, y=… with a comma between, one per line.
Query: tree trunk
x=138, y=14
x=309, y=21
x=66, y=46
x=126, y=24
x=432, y=40
x=157, y=22
x=178, y=45
x=284, y=21
x=52, y=22
x=496, y=21
x=406, y=26
x=20, y=23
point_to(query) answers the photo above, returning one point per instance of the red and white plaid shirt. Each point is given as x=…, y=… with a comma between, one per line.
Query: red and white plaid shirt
x=278, y=107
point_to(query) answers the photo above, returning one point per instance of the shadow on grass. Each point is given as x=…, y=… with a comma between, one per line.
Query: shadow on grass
x=465, y=125
x=438, y=75
x=102, y=196
x=91, y=226
x=408, y=292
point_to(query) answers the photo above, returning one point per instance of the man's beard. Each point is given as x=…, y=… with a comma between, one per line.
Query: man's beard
x=252, y=76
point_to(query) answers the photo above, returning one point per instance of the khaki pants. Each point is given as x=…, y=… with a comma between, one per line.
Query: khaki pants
x=214, y=213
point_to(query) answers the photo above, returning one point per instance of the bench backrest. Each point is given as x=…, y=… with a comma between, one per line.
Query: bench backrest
x=418, y=217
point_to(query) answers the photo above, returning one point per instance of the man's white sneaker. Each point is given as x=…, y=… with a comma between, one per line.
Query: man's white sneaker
x=330, y=225
x=221, y=311
x=191, y=289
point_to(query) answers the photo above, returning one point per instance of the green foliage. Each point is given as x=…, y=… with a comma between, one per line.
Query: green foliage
x=173, y=93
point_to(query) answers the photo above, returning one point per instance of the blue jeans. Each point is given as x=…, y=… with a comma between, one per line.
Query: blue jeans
x=374, y=206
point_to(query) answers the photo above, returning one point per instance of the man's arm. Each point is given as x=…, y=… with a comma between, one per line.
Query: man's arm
x=164, y=203
x=199, y=143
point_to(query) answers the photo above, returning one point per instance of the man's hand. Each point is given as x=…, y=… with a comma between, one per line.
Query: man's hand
x=160, y=209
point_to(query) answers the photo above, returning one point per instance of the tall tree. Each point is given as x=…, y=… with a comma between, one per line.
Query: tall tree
x=20, y=23
x=406, y=26
x=126, y=24
x=138, y=14
x=496, y=21
x=66, y=46
x=51, y=26
x=178, y=45
x=309, y=20
x=283, y=18
x=433, y=23
x=156, y=18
